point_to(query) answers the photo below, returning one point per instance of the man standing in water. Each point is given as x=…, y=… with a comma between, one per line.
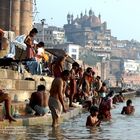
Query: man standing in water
x=73, y=84
x=56, y=99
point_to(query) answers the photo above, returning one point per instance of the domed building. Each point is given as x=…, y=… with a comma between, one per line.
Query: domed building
x=85, y=29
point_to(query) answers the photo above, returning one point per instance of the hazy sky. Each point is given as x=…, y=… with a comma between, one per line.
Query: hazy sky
x=122, y=16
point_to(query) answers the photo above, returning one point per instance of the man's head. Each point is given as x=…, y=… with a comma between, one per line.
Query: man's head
x=65, y=75
x=103, y=84
x=111, y=94
x=33, y=32
x=75, y=65
x=94, y=111
x=41, y=88
x=98, y=78
x=40, y=44
x=129, y=102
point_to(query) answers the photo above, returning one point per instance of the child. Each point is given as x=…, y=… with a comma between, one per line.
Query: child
x=92, y=119
x=128, y=109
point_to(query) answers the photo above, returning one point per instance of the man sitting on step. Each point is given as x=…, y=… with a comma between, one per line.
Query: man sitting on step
x=4, y=97
x=38, y=101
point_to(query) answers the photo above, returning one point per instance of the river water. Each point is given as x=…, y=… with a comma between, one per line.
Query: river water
x=121, y=127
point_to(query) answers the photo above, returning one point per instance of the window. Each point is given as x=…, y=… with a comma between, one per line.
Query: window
x=73, y=56
x=73, y=50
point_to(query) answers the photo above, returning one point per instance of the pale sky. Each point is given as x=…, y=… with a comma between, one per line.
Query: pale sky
x=122, y=16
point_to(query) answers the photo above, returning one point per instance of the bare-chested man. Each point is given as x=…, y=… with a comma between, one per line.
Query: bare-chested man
x=38, y=101
x=56, y=99
x=73, y=82
x=129, y=108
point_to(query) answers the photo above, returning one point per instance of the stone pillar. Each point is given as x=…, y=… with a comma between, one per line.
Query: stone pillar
x=15, y=16
x=25, y=16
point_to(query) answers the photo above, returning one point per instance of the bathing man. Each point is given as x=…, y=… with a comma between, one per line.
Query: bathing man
x=56, y=99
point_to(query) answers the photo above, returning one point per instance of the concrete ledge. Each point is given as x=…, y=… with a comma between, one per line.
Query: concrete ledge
x=9, y=74
x=7, y=84
x=43, y=120
x=129, y=94
x=17, y=84
x=21, y=94
x=25, y=85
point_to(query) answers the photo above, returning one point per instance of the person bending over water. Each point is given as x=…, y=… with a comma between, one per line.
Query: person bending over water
x=56, y=99
x=105, y=107
x=128, y=109
x=92, y=119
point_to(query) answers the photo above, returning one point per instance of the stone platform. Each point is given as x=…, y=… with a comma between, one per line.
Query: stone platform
x=42, y=120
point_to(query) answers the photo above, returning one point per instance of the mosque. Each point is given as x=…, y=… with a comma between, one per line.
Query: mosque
x=87, y=30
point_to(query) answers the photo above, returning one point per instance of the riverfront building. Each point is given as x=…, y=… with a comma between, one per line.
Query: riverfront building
x=50, y=35
x=87, y=30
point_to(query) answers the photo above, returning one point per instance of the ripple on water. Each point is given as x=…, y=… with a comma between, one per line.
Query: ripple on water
x=121, y=127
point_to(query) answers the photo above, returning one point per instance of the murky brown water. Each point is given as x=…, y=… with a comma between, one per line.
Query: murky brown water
x=120, y=128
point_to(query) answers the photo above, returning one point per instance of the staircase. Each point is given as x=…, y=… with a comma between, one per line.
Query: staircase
x=16, y=85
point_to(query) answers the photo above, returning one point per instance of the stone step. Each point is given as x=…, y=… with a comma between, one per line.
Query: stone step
x=9, y=84
x=17, y=84
x=9, y=74
x=21, y=95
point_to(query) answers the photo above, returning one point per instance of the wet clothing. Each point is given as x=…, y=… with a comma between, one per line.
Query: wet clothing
x=73, y=86
x=37, y=110
x=104, y=109
x=55, y=107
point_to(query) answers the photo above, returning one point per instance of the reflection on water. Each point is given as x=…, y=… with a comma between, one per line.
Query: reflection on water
x=121, y=127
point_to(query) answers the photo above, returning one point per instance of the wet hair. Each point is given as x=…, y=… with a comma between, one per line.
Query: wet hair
x=41, y=88
x=120, y=93
x=103, y=84
x=65, y=73
x=98, y=77
x=75, y=64
x=129, y=102
x=111, y=93
x=93, y=73
x=89, y=69
x=41, y=44
x=94, y=109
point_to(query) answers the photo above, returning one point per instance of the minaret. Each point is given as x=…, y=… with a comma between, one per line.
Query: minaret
x=90, y=12
x=81, y=15
x=99, y=16
x=72, y=18
x=85, y=12
x=68, y=18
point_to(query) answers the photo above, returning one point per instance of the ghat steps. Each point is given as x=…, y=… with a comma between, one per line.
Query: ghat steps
x=22, y=85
